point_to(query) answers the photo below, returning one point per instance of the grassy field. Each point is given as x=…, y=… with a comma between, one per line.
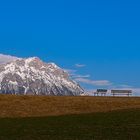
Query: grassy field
x=116, y=125
x=36, y=106
x=69, y=118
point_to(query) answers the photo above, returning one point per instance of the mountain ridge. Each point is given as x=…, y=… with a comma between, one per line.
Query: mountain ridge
x=33, y=76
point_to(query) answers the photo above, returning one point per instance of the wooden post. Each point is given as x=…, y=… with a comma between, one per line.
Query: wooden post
x=113, y=94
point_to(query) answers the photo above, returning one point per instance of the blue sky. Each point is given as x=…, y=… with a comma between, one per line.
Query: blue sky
x=101, y=36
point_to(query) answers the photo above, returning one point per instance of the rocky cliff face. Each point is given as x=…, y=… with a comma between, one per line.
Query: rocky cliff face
x=32, y=76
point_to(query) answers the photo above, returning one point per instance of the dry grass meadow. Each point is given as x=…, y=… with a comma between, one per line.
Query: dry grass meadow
x=35, y=106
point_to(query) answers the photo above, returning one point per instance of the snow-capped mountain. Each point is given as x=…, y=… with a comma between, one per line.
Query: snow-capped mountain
x=33, y=76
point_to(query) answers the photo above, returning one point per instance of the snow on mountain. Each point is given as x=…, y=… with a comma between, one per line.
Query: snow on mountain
x=6, y=58
x=33, y=76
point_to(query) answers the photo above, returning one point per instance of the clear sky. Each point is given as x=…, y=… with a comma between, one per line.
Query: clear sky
x=98, y=40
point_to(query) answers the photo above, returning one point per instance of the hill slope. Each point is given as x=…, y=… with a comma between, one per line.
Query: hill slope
x=31, y=106
x=116, y=125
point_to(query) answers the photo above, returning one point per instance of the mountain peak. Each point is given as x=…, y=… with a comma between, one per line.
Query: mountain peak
x=32, y=59
x=33, y=76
